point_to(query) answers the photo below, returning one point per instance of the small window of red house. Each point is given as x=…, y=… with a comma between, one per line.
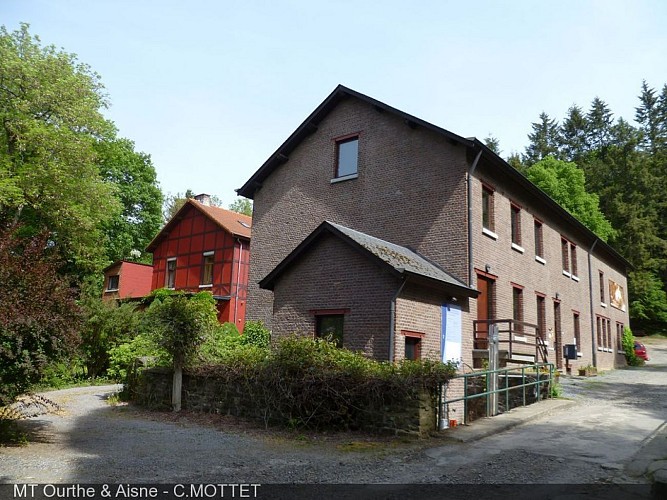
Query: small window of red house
x=170, y=280
x=207, y=269
x=112, y=285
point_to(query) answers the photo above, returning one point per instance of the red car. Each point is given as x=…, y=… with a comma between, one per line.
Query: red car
x=640, y=351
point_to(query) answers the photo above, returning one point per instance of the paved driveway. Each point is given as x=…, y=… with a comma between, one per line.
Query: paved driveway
x=611, y=417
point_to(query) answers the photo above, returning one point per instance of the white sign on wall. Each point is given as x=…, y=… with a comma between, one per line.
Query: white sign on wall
x=451, y=341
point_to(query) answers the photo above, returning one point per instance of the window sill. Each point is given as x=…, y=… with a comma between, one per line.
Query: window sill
x=579, y=355
x=575, y=278
x=206, y=286
x=603, y=304
x=489, y=233
x=540, y=260
x=110, y=290
x=344, y=178
x=518, y=248
x=567, y=273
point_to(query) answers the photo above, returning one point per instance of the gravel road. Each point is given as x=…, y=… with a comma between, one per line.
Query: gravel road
x=91, y=441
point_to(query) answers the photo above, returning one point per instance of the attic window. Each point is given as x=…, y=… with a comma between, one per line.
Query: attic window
x=347, y=156
x=244, y=224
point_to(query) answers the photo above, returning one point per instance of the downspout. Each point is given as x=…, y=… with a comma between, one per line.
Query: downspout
x=238, y=280
x=594, y=355
x=471, y=267
x=392, y=321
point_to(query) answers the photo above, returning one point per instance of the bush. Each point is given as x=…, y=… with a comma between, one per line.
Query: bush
x=629, y=348
x=314, y=384
x=123, y=357
x=255, y=333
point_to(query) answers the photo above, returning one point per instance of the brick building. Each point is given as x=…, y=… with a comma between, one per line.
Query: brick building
x=383, y=178
x=204, y=247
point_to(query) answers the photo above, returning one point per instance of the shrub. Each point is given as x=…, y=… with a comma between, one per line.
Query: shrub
x=255, y=333
x=123, y=357
x=314, y=384
x=628, y=342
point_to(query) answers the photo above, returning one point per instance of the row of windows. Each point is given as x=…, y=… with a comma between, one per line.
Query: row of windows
x=568, y=249
x=541, y=309
x=604, y=332
x=206, y=271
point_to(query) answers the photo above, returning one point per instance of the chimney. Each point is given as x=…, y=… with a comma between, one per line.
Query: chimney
x=204, y=199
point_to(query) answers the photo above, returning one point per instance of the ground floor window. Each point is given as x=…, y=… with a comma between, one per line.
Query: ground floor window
x=330, y=327
x=413, y=344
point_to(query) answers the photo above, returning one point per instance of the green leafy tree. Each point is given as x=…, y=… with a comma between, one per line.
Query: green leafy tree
x=566, y=184
x=40, y=319
x=242, y=206
x=174, y=202
x=140, y=196
x=181, y=323
x=106, y=325
x=50, y=122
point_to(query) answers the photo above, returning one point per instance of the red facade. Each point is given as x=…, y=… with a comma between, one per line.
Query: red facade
x=206, y=248
x=124, y=280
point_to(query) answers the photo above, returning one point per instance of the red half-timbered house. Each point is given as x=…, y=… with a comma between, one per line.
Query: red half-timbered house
x=204, y=247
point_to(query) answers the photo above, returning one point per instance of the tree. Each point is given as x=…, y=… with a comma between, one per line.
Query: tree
x=544, y=141
x=40, y=318
x=566, y=184
x=181, y=323
x=650, y=116
x=600, y=120
x=493, y=144
x=106, y=325
x=242, y=206
x=50, y=122
x=174, y=202
x=573, y=134
x=140, y=196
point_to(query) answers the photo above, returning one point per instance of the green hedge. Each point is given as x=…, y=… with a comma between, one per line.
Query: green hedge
x=314, y=384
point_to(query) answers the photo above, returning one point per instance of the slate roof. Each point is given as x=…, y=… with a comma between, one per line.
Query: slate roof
x=234, y=223
x=400, y=260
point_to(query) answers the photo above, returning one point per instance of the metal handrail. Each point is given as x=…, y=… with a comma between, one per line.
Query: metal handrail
x=538, y=369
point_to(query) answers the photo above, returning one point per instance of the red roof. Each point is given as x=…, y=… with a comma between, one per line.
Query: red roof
x=233, y=222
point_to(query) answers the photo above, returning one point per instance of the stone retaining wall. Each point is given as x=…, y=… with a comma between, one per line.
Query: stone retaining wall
x=209, y=394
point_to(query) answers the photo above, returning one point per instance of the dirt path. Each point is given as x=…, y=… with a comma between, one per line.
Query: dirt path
x=91, y=441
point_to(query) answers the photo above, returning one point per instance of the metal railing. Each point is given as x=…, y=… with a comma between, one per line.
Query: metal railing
x=535, y=384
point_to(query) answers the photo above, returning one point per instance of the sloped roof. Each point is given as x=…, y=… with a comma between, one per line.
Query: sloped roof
x=399, y=260
x=233, y=222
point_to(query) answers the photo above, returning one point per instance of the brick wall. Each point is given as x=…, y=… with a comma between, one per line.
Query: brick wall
x=410, y=190
x=513, y=267
x=332, y=275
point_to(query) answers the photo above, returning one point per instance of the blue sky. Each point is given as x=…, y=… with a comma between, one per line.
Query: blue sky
x=211, y=88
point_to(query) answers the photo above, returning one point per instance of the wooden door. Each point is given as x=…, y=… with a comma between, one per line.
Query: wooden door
x=558, y=339
x=485, y=301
